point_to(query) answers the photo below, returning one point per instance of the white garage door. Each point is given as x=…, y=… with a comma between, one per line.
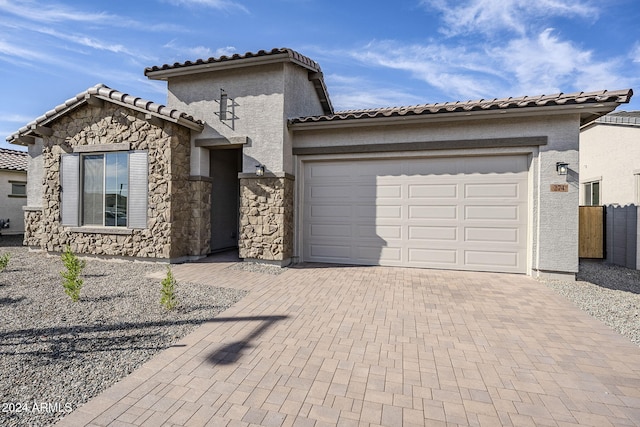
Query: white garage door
x=461, y=213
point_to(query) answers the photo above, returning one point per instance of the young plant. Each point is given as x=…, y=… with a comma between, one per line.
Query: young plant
x=168, y=297
x=72, y=282
x=4, y=261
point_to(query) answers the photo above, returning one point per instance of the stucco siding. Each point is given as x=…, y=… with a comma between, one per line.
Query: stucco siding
x=257, y=94
x=610, y=153
x=300, y=100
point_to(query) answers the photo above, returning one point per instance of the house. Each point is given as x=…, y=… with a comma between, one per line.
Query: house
x=610, y=160
x=610, y=177
x=250, y=153
x=13, y=194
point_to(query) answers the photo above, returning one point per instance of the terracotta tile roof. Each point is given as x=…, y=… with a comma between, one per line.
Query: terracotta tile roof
x=162, y=72
x=631, y=118
x=13, y=160
x=103, y=92
x=289, y=53
x=619, y=96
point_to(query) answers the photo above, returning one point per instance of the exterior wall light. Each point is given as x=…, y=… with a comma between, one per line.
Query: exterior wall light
x=562, y=168
x=259, y=170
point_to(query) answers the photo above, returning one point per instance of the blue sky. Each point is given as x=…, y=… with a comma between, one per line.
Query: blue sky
x=373, y=53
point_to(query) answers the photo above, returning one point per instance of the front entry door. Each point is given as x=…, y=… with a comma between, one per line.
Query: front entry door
x=225, y=198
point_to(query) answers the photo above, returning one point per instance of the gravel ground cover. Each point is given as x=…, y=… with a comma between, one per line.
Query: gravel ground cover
x=56, y=354
x=609, y=293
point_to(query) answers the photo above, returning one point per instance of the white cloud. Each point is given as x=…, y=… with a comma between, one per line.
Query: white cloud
x=225, y=51
x=487, y=16
x=461, y=72
x=15, y=118
x=357, y=93
x=50, y=12
x=542, y=64
x=199, y=52
x=547, y=64
x=226, y=5
x=635, y=52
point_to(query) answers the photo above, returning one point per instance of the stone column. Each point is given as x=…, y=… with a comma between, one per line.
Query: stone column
x=266, y=217
x=33, y=227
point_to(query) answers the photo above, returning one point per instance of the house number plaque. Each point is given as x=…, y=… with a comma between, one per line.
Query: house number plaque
x=560, y=188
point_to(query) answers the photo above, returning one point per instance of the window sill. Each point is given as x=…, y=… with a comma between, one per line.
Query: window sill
x=18, y=196
x=102, y=230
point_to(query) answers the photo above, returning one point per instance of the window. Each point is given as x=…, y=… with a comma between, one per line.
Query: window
x=592, y=193
x=104, y=189
x=18, y=189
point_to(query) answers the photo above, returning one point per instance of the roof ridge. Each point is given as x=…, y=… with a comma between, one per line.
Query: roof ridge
x=292, y=54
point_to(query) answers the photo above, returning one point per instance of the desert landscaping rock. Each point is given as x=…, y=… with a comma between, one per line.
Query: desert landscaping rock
x=609, y=293
x=60, y=354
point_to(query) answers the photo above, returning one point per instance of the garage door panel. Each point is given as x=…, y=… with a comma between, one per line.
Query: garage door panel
x=452, y=213
x=338, y=212
x=380, y=212
x=492, y=234
x=372, y=254
x=492, y=191
x=330, y=170
x=433, y=212
x=438, y=166
x=417, y=232
x=433, y=256
x=387, y=191
x=332, y=192
x=492, y=213
x=447, y=191
x=379, y=231
x=329, y=230
x=498, y=260
x=330, y=251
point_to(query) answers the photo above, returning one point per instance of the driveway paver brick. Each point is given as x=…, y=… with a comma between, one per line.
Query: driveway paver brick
x=339, y=345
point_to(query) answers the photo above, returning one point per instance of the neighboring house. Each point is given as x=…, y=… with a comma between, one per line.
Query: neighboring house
x=249, y=153
x=610, y=177
x=610, y=160
x=13, y=190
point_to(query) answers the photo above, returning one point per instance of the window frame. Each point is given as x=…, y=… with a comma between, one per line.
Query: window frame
x=16, y=184
x=72, y=185
x=81, y=190
x=588, y=192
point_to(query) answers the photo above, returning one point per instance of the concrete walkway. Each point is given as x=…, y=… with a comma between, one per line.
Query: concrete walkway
x=321, y=346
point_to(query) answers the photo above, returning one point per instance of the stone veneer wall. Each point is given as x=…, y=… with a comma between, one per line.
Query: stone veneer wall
x=32, y=227
x=266, y=217
x=168, y=234
x=200, y=216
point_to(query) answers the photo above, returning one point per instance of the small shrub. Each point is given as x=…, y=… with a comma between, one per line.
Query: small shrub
x=168, y=297
x=72, y=282
x=4, y=261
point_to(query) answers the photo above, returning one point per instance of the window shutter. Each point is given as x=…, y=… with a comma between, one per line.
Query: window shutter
x=138, y=189
x=70, y=182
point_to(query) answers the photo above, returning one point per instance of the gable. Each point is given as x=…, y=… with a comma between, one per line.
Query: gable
x=98, y=96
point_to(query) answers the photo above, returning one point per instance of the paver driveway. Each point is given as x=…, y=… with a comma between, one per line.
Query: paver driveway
x=319, y=346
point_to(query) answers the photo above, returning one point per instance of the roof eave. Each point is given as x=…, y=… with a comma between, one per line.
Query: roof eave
x=587, y=112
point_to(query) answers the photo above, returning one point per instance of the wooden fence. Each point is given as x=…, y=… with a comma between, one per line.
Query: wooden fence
x=591, y=232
